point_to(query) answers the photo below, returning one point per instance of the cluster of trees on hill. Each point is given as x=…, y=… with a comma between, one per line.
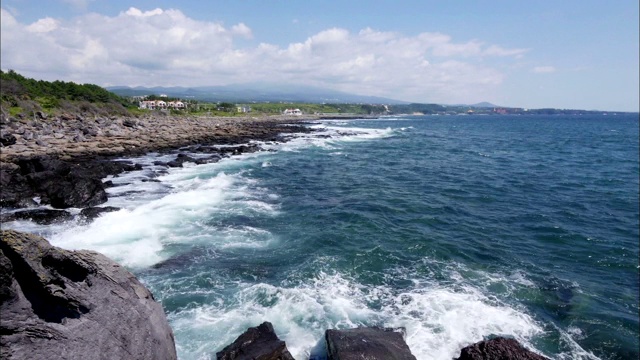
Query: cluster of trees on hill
x=22, y=96
x=14, y=85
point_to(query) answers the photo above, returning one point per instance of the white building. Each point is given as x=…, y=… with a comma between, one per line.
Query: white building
x=292, y=112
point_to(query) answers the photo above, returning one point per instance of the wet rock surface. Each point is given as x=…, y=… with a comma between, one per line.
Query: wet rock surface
x=59, y=304
x=59, y=183
x=39, y=216
x=367, y=343
x=91, y=213
x=499, y=348
x=259, y=343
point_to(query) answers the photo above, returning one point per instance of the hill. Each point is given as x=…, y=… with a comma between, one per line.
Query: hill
x=19, y=94
x=257, y=92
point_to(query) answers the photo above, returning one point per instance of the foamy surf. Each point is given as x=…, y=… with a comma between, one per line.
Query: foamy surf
x=438, y=321
x=259, y=237
x=138, y=237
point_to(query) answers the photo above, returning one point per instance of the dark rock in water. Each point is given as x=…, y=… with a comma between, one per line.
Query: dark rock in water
x=58, y=304
x=498, y=349
x=259, y=343
x=14, y=190
x=367, y=343
x=40, y=216
x=174, y=163
x=62, y=184
x=209, y=159
x=70, y=190
x=7, y=139
x=180, y=159
x=91, y=213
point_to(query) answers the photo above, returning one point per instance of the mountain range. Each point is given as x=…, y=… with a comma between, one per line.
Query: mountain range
x=265, y=92
x=256, y=92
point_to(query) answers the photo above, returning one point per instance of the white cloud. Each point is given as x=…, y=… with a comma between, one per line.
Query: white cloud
x=495, y=50
x=165, y=47
x=43, y=25
x=139, y=13
x=242, y=30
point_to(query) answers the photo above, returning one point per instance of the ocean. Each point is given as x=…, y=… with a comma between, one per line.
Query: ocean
x=454, y=227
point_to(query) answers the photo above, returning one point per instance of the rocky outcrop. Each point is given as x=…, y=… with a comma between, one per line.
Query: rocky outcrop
x=71, y=135
x=367, y=343
x=59, y=304
x=39, y=216
x=499, y=348
x=91, y=213
x=62, y=184
x=257, y=343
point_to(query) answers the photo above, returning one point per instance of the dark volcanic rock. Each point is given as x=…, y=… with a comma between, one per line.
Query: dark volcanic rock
x=40, y=216
x=62, y=184
x=498, y=349
x=367, y=343
x=14, y=190
x=91, y=213
x=180, y=159
x=59, y=304
x=257, y=343
x=71, y=190
x=7, y=139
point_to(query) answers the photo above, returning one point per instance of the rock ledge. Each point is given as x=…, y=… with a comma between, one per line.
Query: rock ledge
x=59, y=304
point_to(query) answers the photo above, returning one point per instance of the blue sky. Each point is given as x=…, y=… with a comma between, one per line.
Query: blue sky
x=562, y=54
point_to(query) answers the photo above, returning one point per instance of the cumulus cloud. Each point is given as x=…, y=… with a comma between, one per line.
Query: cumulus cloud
x=166, y=47
x=543, y=69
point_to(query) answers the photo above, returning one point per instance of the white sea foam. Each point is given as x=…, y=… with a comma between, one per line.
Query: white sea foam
x=138, y=234
x=439, y=321
x=329, y=135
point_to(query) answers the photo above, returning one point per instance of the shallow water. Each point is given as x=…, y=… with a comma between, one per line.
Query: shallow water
x=455, y=227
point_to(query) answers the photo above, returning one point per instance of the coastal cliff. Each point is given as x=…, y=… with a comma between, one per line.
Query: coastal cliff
x=59, y=304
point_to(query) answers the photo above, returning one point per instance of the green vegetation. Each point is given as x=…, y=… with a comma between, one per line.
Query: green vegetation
x=21, y=95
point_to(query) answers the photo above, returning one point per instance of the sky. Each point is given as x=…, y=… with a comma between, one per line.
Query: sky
x=568, y=54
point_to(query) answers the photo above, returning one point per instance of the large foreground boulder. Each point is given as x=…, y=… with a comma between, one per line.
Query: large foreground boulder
x=367, y=343
x=257, y=343
x=498, y=349
x=59, y=304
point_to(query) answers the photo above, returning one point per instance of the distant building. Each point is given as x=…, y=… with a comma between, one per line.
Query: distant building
x=243, y=109
x=159, y=104
x=177, y=105
x=292, y=112
x=147, y=104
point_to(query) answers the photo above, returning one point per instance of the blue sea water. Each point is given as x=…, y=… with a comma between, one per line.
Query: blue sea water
x=454, y=227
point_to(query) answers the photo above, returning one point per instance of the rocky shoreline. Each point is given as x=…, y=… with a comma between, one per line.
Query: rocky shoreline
x=61, y=161
x=76, y=136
